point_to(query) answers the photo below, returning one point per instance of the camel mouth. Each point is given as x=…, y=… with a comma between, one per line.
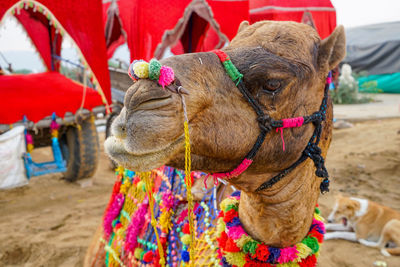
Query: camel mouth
x=115, y=148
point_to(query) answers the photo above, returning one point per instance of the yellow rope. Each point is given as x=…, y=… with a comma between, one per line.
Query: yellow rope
x=188, y=182
x=149, y=189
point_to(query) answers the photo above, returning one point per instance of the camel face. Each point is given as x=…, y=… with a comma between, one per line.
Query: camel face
x=284, y=66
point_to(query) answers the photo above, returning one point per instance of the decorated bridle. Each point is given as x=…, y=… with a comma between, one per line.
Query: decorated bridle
x=266, y=123
x=165, y=76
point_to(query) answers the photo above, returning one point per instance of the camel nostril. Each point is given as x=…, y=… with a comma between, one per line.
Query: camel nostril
x=330, y=221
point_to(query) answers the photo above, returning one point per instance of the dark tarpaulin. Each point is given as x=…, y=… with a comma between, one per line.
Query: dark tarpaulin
x=374, y=48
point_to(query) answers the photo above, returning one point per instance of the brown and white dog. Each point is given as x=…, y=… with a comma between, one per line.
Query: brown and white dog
x=366, y=222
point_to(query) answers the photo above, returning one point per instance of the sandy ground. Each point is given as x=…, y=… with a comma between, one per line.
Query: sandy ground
x=50, y=221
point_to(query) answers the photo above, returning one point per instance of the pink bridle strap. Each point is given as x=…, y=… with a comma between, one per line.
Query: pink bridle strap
x=289, y=123
x=228, y=175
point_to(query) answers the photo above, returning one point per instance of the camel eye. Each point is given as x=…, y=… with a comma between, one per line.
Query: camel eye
x=272, y=85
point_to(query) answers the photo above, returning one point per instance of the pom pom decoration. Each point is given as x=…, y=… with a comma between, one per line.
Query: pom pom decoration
x=185, y=256
x=29, y=142
x=234, y=241
x=166, y=76
x=154, y=69
x=141, y=69
x=131, y=71
x=148, y=257
x=186, y=239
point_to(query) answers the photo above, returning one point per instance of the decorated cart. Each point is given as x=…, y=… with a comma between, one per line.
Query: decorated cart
x=55, y=110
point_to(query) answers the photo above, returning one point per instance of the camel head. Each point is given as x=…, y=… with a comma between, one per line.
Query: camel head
x=284, y=64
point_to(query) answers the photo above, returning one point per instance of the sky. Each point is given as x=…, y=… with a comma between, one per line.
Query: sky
x=350, y=13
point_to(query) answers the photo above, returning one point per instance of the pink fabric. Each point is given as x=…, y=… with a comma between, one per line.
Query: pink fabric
x=328, y=80
x=289, y=123
x=228, y=175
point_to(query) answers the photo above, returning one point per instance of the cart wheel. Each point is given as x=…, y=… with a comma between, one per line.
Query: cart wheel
x=80, y=147
x=110, y=119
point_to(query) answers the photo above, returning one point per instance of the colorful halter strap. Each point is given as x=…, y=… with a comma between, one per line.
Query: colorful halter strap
x=266, y=123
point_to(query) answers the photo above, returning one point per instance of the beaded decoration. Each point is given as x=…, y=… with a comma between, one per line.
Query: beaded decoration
x=237, y=248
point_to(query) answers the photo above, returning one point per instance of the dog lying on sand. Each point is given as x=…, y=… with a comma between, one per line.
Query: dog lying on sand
x=366, y=222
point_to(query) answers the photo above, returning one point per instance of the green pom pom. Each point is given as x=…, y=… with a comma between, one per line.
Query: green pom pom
x=154, y=69
x=317, y=211
x=312, y=243
x=142, y=254
x=250, y=247
x=231, y=206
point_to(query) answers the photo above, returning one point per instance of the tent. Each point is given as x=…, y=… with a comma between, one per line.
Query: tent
x=45, y=22
x=151, y=28
x=321, y=13
x=378, y=56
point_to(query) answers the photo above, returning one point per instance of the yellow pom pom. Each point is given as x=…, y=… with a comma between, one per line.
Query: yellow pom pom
x=165, y=221
x=54, y=133
x=226, y=202
x=29, y=148
x=243, y=240
x=141, y=69
x=138, y=252
x=318, y=217
x=220, y=226
x=237, y=259
x=186, y=239
x=303, y=250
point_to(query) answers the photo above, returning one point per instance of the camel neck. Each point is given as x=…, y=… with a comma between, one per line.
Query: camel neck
x=281, y=216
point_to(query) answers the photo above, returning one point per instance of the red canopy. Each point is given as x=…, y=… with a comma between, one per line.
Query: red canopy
x=150, y=27
x=322, y=11
x=39, y=95
x=80, y=19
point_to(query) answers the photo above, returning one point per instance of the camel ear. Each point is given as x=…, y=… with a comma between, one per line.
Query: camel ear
x=243, y=25
x=332, y=49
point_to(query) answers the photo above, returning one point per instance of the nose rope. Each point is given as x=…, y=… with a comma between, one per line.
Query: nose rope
x=188, y=179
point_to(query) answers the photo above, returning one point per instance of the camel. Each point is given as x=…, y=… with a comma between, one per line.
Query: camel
x=284, y=67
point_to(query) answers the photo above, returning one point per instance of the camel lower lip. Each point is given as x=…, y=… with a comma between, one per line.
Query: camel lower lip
x=143, y=162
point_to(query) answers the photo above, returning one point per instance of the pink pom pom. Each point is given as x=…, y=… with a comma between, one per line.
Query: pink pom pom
x=166, y=76
x=288, y=254
x=54, y=125
x=29, y=139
